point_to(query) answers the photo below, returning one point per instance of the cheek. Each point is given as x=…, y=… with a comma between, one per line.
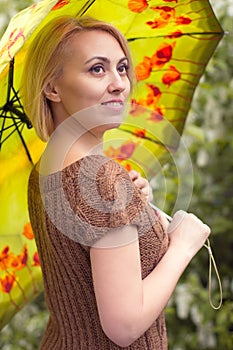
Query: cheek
x=88, y=91
x=129, y=86
x=75, y=98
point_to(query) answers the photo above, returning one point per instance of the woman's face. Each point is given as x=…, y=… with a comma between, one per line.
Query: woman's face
x=94, y=73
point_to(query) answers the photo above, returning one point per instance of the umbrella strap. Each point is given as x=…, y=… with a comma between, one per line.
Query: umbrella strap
x=212, y=262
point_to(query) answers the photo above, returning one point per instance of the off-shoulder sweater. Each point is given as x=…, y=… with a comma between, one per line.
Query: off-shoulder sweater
x=69, y=211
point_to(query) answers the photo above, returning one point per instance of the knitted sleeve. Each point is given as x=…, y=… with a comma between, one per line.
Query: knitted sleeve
x=102, y=196
x=93, y=196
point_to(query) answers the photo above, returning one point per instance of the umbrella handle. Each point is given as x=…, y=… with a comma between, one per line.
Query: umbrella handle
x=211, y=263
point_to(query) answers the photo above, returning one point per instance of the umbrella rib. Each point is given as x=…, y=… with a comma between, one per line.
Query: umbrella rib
x=10, y=126
x=9, y=117
x=183, y=34
x=6, y=138
x=21, y=115
x=148, y=139
x=22, y=140
x=85, y=8
x=1, y=133
x=4, y=128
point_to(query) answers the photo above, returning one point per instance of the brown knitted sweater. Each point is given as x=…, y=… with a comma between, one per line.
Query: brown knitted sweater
x=69, y=211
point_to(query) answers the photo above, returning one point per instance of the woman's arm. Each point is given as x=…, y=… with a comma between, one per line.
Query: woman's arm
x=127, y=304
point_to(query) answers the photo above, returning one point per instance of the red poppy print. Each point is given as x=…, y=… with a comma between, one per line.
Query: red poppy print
x=156, y=116
x=123, y=152
x=7, y=282
x=126, y=150
x=137, y=107
x=165, y=12
x=140, y=133
x=154, y=91
x=171, y=76
x=174, y=35
x=143, y=69
x=137, y=5
x=182, y=20
x=27, y=231
x=157, y=23
x=128, y=167
x=162, y=55
x=60, y=4
x=6, y=258
x=20, y=261
x=152, y=98
x=15, y=36
x=36, y=260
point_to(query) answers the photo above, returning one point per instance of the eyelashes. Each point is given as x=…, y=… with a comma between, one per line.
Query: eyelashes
x=99, y=69
x=123, y=68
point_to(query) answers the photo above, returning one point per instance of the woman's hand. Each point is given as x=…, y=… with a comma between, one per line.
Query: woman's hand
x=187, y=233
x=142, y=184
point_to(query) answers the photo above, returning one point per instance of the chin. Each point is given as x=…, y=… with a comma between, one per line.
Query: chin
x=102, y=129
x=112, y=125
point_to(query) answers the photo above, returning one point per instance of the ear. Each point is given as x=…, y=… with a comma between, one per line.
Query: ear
x=51, y=92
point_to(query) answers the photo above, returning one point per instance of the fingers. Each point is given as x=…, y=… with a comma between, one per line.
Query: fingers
x=187, y=233
x=207, y=229
x=138, y=180
x=142, y=184
x=203, y=227
x=133, y=174
x=190, y=220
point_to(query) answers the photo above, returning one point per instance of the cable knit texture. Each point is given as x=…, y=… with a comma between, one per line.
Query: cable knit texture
x=70, y=210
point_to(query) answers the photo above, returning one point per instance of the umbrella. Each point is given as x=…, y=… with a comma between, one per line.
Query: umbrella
x=171, y=43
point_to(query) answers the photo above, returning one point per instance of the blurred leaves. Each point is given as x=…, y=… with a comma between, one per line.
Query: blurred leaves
x=26, y=328
x=192, y=323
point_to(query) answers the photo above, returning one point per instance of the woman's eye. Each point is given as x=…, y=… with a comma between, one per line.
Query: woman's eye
x=97, y=69
x=123, y=68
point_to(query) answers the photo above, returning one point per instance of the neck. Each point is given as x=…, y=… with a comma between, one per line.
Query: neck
x=69, y=143
x=87, y=144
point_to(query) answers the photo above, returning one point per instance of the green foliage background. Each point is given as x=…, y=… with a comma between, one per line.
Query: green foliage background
x=192, y=324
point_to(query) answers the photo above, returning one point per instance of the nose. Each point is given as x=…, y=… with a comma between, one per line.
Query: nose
x=117, y=83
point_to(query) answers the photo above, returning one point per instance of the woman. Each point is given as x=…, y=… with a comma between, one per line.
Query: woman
x=109, y=262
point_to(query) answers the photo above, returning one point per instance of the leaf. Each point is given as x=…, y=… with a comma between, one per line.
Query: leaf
x=195, y=131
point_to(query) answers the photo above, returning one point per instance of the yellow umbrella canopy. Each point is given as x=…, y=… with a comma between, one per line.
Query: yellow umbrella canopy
x=171, y=43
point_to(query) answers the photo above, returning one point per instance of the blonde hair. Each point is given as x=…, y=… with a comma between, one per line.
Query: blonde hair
x=44, y=61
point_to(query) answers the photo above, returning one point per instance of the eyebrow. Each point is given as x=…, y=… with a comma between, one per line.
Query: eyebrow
x=104, y=59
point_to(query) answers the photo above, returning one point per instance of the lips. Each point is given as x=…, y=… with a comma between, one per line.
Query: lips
x=114, y=108
x=113, y=104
